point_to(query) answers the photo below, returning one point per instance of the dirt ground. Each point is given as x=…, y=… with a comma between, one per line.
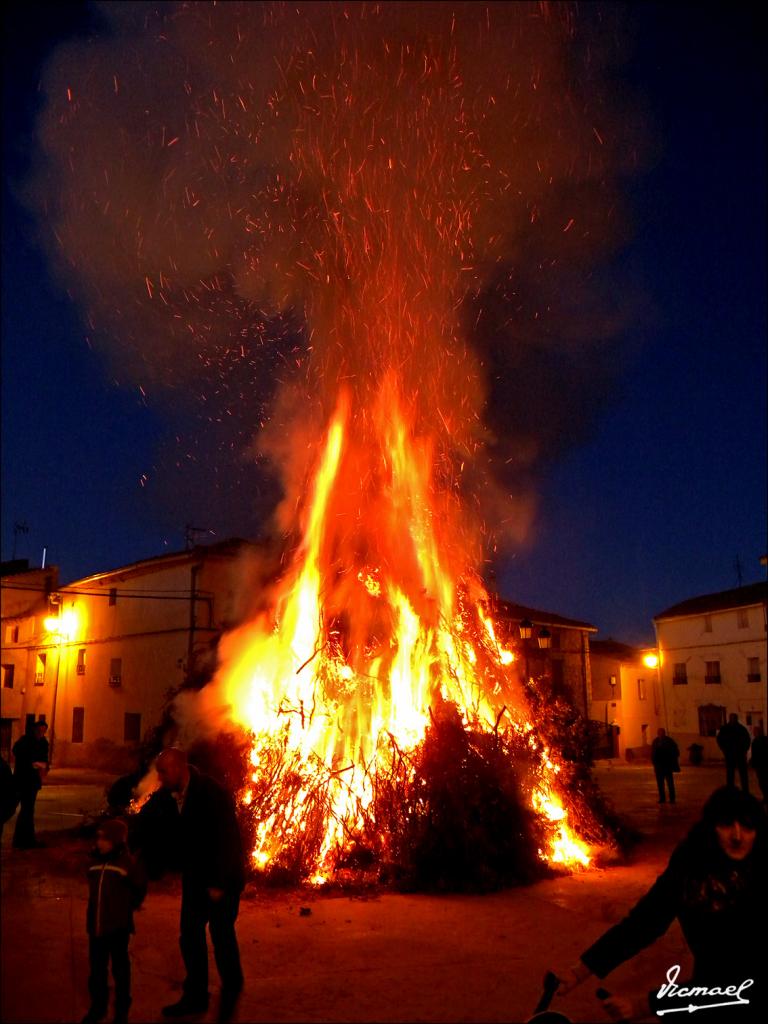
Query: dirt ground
x=383, y=957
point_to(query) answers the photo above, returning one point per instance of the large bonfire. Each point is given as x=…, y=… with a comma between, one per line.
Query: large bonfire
x=373, y=636
x=379, y=171
x=380, y=219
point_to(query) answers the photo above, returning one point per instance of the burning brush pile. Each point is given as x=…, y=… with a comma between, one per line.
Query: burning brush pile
x=387, y=723
x=391, y=213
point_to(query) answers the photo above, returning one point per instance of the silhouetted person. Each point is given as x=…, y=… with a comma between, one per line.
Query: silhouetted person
x=759, y=760
x=30, y=754
x=716, y=886
x=733, y=739
x=213, y=877
x=665, y=758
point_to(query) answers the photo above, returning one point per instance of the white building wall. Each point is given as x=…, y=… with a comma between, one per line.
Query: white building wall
x=26, y=689
x=146, y=624
x=731, y=637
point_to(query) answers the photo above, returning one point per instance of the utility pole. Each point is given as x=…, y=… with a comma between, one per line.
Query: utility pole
x=191, y=640
x=739, y=571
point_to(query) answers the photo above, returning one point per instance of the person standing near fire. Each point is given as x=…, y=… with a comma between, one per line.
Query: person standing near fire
x=116, y=887
x=213, y=878
x=665, y=757
x=30, y=754
x=734, y=741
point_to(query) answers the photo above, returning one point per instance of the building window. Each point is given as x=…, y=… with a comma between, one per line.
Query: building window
x=40, y=669
x=679, y=674
x=81, y=662
x=641, y=689
x=707, y=623
x=132, y=727
x=116, y=672
x=8, y=671
x=12, y=635
x=711, y=718
x=753, y=670
x=742, y=618
x=712, y=675
x=78, y=724
x=113, y=596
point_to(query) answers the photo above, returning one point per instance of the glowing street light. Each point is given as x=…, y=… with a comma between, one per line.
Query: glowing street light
x=63, y=626
x=651, y=660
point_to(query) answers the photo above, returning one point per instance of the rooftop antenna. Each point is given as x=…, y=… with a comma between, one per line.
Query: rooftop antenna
x=739, y=571
x=18, y=527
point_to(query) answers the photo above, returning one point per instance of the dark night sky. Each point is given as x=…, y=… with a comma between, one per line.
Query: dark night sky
x=653, y=508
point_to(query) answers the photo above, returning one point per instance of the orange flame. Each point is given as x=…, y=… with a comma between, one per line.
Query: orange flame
x=355, y=652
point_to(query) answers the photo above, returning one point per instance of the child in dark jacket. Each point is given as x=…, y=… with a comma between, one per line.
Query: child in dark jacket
x=116, y=888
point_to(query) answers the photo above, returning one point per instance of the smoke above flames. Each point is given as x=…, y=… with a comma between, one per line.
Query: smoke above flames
x=255, y=203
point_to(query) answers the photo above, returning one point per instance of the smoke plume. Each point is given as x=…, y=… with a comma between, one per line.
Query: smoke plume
x=256, y=203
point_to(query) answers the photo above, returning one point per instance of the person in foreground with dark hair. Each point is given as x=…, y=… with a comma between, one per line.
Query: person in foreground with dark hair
x=716, y=885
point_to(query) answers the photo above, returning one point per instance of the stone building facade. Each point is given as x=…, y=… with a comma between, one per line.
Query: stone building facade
x=713, y=663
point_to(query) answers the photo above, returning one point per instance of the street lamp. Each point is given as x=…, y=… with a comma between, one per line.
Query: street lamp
x=62, y=627
x=652, y=659
x=545, y=639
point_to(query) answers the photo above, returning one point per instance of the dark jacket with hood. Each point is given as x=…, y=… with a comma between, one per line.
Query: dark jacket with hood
x=116, y=887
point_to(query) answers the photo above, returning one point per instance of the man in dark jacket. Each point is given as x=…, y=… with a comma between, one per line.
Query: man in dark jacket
x=213, y=877
x=733, y=739
x=30, y=754
x=665, y=758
